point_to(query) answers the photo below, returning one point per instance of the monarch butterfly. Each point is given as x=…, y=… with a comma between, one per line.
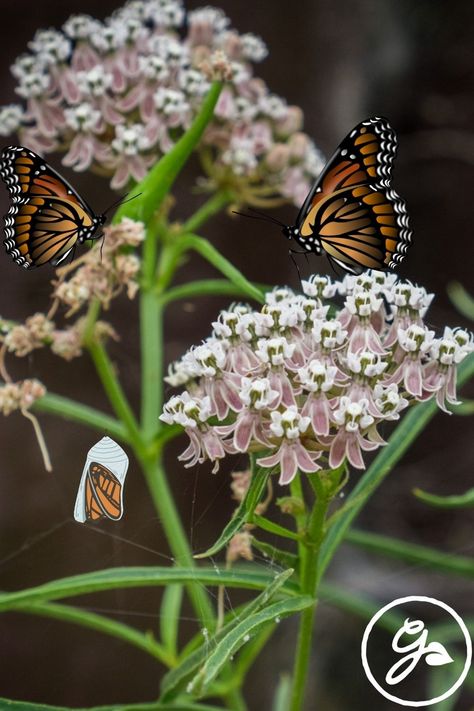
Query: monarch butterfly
x=47, y=218
x=351, y=213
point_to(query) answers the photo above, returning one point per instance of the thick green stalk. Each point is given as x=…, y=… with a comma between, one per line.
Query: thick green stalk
x=151, y=341
x=158, y=182
x=309, y=580
x=176, y=536
x=114, y=391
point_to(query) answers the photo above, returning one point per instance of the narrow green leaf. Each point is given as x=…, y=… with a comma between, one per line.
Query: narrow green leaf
x=412, y=424
x=6, y=704
x=456, y=501
x=461, y=299
x=276, y=555
x=100, y=623
x=466, y=407
x=251, y=651
x=158, y=182
x=242, y=514
x=204, y=287
x=412, y=553
x=210, y=253
x=359, y=605
x=241, y=634
x=83, y=414
x=266, y=525
x=281, y=702
x=169, y=616
x=136, y=577
x=177, y=678
x=449, y=631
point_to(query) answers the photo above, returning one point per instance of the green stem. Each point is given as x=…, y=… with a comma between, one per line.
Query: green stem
x=212, y=206
x=83, y=414
x=114, y=391
x=158, y=182
x=309, y=580
x=176, y=536
x=210, y=253
x=151, y=340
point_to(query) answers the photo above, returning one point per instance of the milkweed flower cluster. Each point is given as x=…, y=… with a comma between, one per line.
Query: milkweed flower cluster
x=305, y=383
x=116, y=95
x=97, y=275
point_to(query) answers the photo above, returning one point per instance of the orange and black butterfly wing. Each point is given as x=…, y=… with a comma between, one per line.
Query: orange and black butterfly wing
x=25, y=174
x=103, y=493
x=45, y=229
x=364, y=159
x=360, y=228
x=29, y=179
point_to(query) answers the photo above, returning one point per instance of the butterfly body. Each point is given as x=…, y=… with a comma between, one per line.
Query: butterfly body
x=47, y=218
x=352, y=214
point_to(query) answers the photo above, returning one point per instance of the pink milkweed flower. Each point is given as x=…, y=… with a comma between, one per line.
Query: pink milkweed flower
x=205, y=443
x=318, y=378
x=353, y=419
x=388, y=401
x=328, y=337
x=440, y=374
x=318, y=287
x=361, y=308
x=301, y=389
x=366, y=368
x=207, y=362
x=234, y=327
x=409, y=304
x=276, y=355
x=256, y=396
x=291, y=455
x=414, y=342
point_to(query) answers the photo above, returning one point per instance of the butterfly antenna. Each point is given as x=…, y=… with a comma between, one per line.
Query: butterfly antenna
x=121, y=202
x=260, y=216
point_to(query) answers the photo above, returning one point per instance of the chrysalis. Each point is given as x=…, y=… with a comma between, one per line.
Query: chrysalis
x=100, y=493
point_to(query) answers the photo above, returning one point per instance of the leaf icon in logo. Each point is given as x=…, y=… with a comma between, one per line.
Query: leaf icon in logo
x=436, y=655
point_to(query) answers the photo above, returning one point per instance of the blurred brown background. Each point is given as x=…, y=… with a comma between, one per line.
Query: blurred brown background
x=341, y=62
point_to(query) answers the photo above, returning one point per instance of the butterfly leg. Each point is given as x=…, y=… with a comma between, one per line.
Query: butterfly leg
x=291, y=252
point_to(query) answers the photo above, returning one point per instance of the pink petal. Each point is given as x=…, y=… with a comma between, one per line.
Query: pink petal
x=451, y=385
x=231, y=396
x=243, y=432
x=121, y=176
x=289, y=465
x=131, y=100
x=213, y=445
x=305, y=462
x=320, y=416
x=270, y=461
x=288, y=396
x=412, y=377
x=338, y=450
x=353, y=453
